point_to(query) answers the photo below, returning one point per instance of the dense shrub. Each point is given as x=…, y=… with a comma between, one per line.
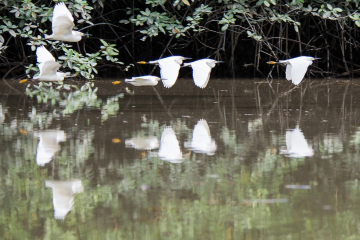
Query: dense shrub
x=245, y=34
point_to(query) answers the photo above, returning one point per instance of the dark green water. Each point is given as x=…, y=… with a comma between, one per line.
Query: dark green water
x=239, y=159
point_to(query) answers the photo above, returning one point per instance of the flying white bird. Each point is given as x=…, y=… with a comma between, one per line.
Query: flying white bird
x=169, y=68
x=63, y=195
x=201, y=141
x=62, y=25
x=296, y=144
x=201, y=70
x=169, y=147
x=48, y=66
x=296, y=67
x=147, y=80
x=48, y=145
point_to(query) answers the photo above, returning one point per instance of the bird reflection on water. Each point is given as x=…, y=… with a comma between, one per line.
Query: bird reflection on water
x=201, y=139
x=169, y=147
x=296, y=144
x=63, y=195
x=142, y=143
x=48, y=145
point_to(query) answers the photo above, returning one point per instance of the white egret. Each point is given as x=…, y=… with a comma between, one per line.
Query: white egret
x=48, y=145
x=169, y=147
x=201, y=141
x=169, y=68
x=296, y=144
x=62, y=25
x=143, y=143
x=147, y=80
x=201, y=70
x=63, y=195
x=296, y=67
x=48, y=66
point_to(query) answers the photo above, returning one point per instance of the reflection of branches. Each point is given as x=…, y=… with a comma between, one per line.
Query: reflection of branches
x=162, y=102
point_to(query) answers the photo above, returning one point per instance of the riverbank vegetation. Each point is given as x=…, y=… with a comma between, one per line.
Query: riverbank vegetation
x=245, y=34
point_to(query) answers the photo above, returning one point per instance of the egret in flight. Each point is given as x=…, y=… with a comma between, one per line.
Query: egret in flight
x=169, y=68
x=48, y=66
x=201, y=70
x=296, y=67
x=62, y=25
x=147, y=80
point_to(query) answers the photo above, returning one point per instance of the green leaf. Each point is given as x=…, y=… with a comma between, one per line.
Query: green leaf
x=225, y=27
x=296, y=28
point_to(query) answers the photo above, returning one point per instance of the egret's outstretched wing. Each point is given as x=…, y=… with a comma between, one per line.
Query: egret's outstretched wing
x=169, y=71
x=288, y=72
x=62, y=22
x=48, y=68
x=201, y=72
x=43, y=55
x=298, y=70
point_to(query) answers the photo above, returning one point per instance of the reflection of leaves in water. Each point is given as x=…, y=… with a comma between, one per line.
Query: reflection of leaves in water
x=229, y=139
x=70, y=101
x=126, y=184
x=111, y=107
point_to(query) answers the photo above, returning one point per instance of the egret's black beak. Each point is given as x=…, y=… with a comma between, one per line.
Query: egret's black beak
x=219, y=61
x=316, y=58
x=186, y=58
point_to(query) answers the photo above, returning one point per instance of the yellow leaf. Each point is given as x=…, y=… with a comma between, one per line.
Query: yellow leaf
x=186, y=2
x=23, y=131
x=116, y=82
x=116, y=140
x=22, y=81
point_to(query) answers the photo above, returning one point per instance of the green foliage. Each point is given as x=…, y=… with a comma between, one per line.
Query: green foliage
x=135, y=30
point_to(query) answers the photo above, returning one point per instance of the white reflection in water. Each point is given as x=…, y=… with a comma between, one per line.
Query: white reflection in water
x=48, y=145
x=169, y=147
x=296, y=144
x=142, y=143
x=201, y=141
x=297, y=186
x=267, y=201
x=63, y=195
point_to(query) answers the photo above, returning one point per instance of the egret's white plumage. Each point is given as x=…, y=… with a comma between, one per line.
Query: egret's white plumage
x=296, y=144
x=63, y=195
x=147, y=80
x=201, y=141
x=48, y=145
x=169, y=69
x=201, y=70
x=62, y=25
x=143, y=143
x=169, y=147
x=48, y=66
x=296, y=68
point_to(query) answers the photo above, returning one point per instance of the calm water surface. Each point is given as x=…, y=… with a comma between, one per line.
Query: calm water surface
x=240, y=159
